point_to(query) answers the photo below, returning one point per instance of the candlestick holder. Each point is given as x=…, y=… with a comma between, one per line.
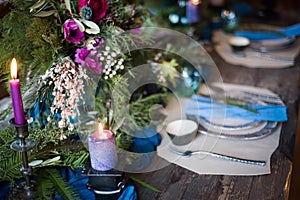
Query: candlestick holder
x=106, y=185
x=25, y=189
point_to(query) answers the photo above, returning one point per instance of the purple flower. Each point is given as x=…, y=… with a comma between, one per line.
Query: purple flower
x=99, y=8
x=88, y=58
x=72, y=32
x=137, y=30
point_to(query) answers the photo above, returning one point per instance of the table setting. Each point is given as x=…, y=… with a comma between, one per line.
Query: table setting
x=250, y=141
x=266, y=46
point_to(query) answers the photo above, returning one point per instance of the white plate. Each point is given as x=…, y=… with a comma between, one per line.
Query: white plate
x=230, y=124
x=273, y=45
x=251, y=134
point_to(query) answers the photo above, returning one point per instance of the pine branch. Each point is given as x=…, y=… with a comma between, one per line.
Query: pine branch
x=58, y=183
x=44, y=186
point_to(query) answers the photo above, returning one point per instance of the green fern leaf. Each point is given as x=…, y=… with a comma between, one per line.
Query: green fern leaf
x=60, y=184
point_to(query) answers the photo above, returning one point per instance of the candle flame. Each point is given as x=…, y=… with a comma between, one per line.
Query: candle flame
x=226, y=12
x=196, y=2
x=13, y=68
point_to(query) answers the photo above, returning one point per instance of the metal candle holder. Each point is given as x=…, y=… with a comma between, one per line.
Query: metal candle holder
x=23, y=190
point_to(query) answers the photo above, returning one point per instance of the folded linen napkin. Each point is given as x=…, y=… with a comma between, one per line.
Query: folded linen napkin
x=207, y=108
x=290, y=31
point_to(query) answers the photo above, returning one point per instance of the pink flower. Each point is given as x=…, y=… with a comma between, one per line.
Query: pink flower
x=72, y=33
x=99, y=8
x=88, y=59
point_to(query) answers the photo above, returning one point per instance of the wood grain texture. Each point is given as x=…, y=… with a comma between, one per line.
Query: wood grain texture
x=178, y=183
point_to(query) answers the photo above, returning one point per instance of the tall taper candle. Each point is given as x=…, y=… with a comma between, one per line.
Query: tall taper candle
x=17, y=103
x=193, y=11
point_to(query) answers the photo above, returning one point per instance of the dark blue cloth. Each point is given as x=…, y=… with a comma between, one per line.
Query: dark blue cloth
x=145, y=142
x=4, y=189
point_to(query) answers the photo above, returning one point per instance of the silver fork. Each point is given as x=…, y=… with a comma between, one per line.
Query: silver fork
x=189, y=153
x=243, y=54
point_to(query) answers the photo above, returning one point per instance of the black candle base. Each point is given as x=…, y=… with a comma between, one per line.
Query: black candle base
x=105, y=184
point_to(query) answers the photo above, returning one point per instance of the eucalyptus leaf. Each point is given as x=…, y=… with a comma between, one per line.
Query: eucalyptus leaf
x=51, y=160
x=45, y=13
x=35, y=163
x=37, y=5
x=93, y=27
x=68, y=5
x=80, y=25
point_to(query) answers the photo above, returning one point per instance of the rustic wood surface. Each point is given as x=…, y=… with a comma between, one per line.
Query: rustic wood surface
x=295, y=177
x=175, y=182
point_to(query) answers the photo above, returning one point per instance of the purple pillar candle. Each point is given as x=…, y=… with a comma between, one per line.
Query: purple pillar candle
x=19, y=117
x=193, y=11
x=103, y=151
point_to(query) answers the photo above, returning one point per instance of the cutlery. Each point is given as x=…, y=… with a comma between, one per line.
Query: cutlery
x=189, y=153
x=243, y=54
x=264, y=97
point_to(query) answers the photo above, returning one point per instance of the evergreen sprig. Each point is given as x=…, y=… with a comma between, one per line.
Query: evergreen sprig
x=49, y=182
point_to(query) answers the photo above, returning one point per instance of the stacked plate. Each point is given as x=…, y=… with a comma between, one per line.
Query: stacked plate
x=273, y=45
x=233, y=128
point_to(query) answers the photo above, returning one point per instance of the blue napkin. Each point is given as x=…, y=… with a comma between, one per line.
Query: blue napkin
x=206, y=107
x=145, y=142
x=290, y=31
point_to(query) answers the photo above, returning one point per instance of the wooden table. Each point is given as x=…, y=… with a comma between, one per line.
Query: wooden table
x=175, y=182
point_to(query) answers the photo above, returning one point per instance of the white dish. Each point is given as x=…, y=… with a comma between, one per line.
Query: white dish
x=182, y=132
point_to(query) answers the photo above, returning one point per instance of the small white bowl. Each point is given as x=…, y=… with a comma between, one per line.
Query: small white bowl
x=182, y=132
x=239, y=43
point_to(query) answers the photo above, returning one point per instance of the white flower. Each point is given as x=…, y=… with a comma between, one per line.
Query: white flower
x=68, y=90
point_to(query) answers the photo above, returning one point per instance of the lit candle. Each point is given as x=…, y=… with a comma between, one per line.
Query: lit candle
x=17, y=104
x=193, y=11
x=102, y=148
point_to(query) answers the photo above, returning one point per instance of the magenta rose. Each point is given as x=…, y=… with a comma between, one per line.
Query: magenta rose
x=99, y=8
x=72, y=32
x=88, y=58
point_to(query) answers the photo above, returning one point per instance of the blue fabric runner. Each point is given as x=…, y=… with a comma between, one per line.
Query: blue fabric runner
x=207, y=108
